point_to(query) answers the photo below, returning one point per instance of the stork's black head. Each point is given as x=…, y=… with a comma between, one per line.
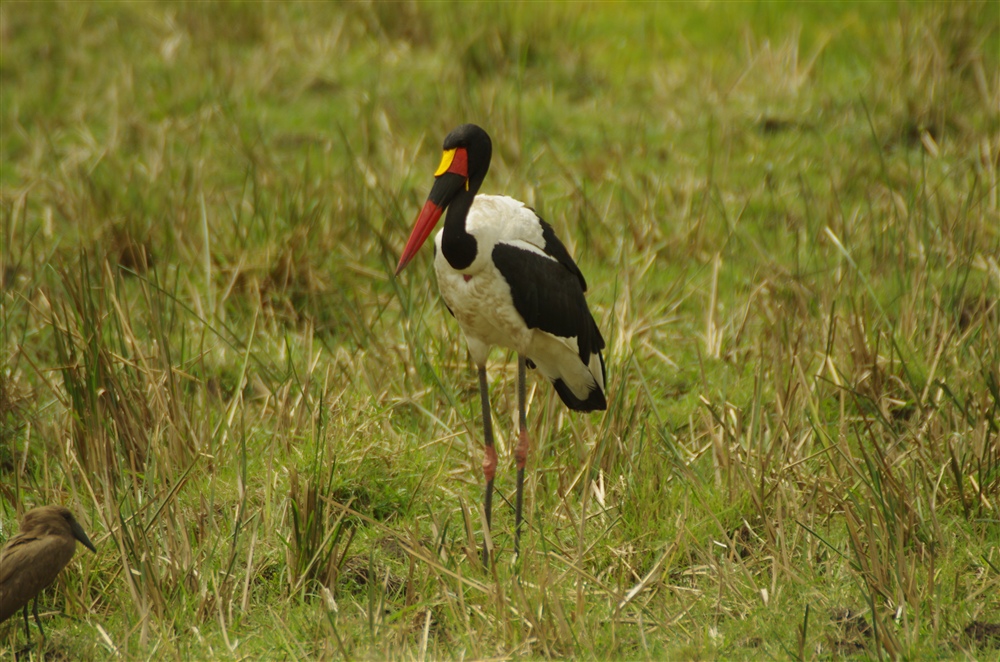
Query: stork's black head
x=464, y=164
x=478, y=148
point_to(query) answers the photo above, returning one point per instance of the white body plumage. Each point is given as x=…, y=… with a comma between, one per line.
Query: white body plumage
x=480, y=297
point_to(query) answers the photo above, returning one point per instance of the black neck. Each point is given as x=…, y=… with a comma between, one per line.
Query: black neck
x=457, y=245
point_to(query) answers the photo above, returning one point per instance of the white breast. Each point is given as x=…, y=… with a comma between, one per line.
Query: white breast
x=478, y=295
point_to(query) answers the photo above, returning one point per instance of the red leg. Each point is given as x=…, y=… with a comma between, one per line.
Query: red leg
x=489, y=462
x=521, y=451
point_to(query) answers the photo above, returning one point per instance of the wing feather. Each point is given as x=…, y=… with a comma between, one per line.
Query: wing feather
x=549, y=295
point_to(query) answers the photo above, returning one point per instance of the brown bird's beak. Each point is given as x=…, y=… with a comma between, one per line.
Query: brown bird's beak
x=81, y=535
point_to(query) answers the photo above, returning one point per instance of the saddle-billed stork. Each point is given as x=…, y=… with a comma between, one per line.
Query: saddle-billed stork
x=509, y=281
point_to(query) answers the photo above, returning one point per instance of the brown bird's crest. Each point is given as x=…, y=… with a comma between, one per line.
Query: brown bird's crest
x=30, y=560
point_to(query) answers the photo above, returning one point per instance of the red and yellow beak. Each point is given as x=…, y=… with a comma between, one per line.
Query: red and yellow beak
x=451, y=177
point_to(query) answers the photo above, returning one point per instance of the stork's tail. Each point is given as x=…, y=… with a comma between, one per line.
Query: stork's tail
x=595, y=400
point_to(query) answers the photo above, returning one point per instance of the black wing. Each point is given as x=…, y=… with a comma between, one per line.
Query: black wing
x=555, y=248
x=548, y=294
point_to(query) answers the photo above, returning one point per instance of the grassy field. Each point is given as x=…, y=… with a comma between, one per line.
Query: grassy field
x=788, y=218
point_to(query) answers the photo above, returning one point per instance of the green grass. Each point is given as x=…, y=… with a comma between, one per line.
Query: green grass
x=787, y=214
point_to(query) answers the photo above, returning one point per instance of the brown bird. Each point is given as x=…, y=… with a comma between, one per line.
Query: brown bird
x=31, y=560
